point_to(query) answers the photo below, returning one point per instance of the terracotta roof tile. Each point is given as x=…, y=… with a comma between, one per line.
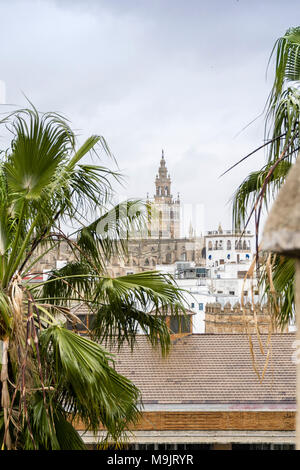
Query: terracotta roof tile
x=211, y=369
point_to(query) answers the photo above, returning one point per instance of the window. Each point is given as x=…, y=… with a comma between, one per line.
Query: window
x=180, y=325
x=241, y=274
x=79, y=326
x=192, y=305
x=231, y=292
x=201, y=306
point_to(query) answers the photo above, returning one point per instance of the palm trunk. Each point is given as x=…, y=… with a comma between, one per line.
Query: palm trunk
x=5, y=399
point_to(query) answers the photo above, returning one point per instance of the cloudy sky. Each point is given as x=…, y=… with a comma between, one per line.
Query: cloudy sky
x=183, y=75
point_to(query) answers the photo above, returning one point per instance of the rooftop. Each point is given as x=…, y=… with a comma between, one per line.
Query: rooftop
x=211, y=369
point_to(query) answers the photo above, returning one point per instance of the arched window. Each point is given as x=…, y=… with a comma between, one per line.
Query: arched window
x=228, y=245
x=146, y=262
x=244, y=245
x=166, y=190
x=238, y=245
x=210, y=245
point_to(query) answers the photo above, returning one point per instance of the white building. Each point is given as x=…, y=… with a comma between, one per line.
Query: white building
x=229, y=256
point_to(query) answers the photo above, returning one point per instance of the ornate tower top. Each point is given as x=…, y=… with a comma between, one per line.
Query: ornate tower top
x=162, y=171
x=163, y=182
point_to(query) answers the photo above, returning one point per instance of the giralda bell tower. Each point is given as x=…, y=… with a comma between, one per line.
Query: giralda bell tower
x=165, y=221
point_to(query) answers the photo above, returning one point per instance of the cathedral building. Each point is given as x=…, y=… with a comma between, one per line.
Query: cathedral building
x=161, y=245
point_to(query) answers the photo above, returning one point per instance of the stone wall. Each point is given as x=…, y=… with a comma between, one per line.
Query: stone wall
x=235, y=319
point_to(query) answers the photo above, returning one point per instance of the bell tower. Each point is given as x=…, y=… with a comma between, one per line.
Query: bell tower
x=165, y=219
x=163, y=183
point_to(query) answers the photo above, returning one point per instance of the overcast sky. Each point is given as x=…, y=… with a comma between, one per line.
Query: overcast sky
x=183, y=75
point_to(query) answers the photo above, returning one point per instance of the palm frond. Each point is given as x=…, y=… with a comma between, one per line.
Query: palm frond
x=88, y=386
x=247, y=193
x=119, y=322
x=280, y=289
x=108, y=235
x=151, y=290
x=287, y=63
x=36, y=151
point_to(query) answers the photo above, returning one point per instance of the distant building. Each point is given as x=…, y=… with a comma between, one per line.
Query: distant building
x=165, y=210
x=161, y=244
x=237, y=319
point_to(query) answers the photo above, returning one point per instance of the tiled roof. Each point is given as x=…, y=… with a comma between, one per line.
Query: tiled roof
x=168, y=313
x=81, y=309
x=211, y=368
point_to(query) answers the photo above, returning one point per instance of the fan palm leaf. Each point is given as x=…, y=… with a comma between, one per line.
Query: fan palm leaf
x=259, y=189
x=50, y=376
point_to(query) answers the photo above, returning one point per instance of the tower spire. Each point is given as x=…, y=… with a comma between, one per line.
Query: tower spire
x=163, y=181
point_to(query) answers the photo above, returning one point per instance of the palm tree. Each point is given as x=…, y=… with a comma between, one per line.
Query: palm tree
x=259, y=189
x=52, y=376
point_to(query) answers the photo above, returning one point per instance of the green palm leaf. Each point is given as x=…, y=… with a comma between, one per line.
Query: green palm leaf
x=88, y=386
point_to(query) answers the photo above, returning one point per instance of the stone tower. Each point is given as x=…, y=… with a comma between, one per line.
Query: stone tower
x=163, y=183
x=165, y=211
